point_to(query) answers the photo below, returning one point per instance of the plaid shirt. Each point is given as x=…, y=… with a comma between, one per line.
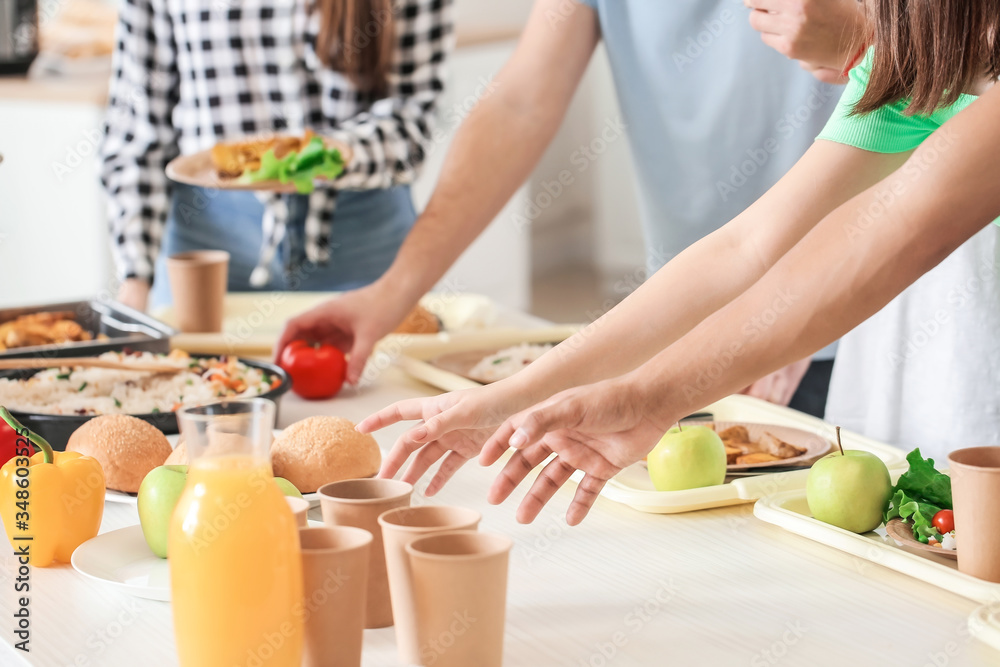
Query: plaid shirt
x=189, y=73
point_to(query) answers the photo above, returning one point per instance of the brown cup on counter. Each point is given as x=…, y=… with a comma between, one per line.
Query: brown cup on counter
x=400, y=527
x=358, y=503
x=975, y=490
x=335, y=583
x=198, y=282
x=460, y=596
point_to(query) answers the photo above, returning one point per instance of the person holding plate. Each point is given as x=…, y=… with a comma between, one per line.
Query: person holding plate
x=364, y=73
x=902, y=176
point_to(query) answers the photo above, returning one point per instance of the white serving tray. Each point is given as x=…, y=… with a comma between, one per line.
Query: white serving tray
x=632, y=486
x=789, y=510
x=984, y=624
x=414, y=353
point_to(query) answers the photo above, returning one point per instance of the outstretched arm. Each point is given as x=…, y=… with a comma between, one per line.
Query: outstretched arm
x=846, y=269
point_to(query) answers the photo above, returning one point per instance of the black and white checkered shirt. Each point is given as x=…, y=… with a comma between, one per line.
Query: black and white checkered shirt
x=189, y=73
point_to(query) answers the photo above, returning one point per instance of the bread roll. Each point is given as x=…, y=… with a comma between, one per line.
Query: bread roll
x=127, y=448
x=419, y=321
x=320, y=450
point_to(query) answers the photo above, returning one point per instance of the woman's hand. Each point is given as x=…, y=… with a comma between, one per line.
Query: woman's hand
x=354, y=323
x=598, y=429
x=779, y=387
x=455, y=426
x=134, y=293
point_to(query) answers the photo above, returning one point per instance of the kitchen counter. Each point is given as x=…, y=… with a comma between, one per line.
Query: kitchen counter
x=715, y=587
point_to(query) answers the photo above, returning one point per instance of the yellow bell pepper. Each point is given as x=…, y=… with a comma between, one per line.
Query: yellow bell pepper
x=50, y=503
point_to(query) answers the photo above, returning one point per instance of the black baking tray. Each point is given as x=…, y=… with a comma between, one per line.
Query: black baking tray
x=124, y=327
x=58, y=428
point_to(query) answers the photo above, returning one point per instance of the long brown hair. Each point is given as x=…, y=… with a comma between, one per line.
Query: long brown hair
x=930, y=51
x=357, y=38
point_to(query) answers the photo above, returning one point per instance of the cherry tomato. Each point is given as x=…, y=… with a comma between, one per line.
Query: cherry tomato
x=944, y=521
x=317, y=370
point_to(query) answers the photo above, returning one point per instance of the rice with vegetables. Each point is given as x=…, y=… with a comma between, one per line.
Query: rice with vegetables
x=103, y=391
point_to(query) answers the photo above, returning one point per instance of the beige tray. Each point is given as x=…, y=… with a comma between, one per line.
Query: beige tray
x=984, y=624
x=198, y=169
x=253, y=321
x=789, y=510
x=632, y=486
x=415, y=355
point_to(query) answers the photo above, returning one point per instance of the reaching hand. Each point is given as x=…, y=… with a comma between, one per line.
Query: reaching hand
x=598, y=429
x=134, y=293
x=354, y=323
x=825, y=35
x=454, y=426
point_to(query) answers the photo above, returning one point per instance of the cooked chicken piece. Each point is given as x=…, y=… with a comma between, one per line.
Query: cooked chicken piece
x=41, y=329
x=233, y=158
x=756, y=457
x=735, y=434
x=732, y=453
x=778, y=447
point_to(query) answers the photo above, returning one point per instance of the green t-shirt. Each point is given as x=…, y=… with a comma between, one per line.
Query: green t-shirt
x=885, y=130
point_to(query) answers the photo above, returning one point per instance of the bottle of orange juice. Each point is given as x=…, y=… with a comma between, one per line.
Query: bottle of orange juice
x=235, y=564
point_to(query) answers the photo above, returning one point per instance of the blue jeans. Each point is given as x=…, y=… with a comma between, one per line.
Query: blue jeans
x=368, y=228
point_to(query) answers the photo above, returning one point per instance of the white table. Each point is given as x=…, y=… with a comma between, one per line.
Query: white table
x=716, y=587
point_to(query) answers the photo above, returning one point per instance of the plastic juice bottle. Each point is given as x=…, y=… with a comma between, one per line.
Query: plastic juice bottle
x=235, y=567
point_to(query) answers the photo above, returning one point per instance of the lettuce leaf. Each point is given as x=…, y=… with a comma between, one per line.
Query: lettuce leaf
x=301, y=168
x=920, y=493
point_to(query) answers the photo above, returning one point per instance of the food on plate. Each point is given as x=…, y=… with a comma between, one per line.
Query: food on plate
x=687, y=457
x=322, y=449
x=59, y=503
x=742, y=450
x=127, y=448
x=159, y=493
x=317, y=370
x=286, y=159
x=503, y=364
x=922, y=499
x=55, y=328
x=103, y=391
x=419, y=321
x=849, y=489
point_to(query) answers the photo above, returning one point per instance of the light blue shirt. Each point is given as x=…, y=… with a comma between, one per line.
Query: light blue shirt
x=714, y=116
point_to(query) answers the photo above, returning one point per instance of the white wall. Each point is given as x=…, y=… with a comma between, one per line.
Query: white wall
x=53, y=243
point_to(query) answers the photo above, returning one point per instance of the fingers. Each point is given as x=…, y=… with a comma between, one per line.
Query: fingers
x=411, y=408
x=497, y=444
x=515, y=470
x=288, y=333
x=532, y=424
x=427, y=456
x=549, y=480
x=586, y=495
x=358, y=357
x=765, y=22
x=451, y=464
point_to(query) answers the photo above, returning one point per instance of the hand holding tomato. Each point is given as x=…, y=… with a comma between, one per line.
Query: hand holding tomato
x=317, y=370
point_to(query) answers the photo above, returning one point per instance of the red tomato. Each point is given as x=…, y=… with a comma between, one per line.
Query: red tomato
x=944, y=521
x=317, y=370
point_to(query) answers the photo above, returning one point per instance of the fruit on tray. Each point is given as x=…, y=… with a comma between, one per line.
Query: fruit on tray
x=849, y=490
x=158, y=495
x=687, y=458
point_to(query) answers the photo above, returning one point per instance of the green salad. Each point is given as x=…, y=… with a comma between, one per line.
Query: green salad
x=921, y=492
x=300, y=168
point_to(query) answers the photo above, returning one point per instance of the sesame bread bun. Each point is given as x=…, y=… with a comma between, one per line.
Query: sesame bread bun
x=127, y=448
x=419, y=321
x=319, y=450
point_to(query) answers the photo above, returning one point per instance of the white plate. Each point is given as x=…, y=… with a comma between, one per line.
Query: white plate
x=112, y=496
x=122, y=559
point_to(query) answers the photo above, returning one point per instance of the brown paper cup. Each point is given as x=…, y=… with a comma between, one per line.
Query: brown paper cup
x=400, y=527
x=358, y=503
x=335, y=582
x=300, y=508
x=198, y=282
x=460, y=595
x=975, y=489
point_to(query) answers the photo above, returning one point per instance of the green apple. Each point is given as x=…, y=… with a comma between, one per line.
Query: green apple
x=849, y=491
x=687, y=458
x=159, y=492
x=287, y=487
